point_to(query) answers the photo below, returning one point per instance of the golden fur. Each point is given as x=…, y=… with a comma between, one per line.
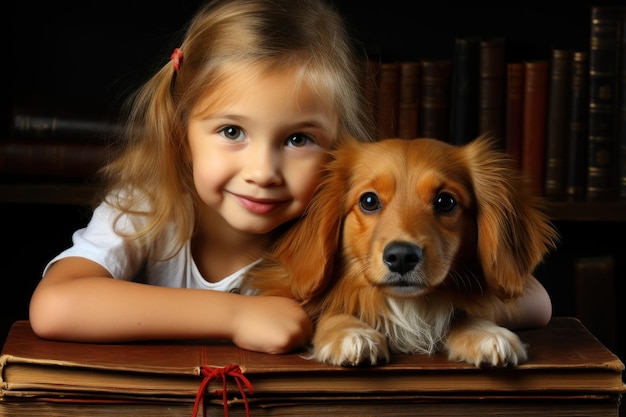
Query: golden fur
x=411, y=246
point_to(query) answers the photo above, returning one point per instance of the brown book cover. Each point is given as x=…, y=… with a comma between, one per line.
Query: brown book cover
x=559, y=96
x=492, y=86
x=534, y=122
x=514, y=111
x=434, y=111
x=410, y=74
x=564, y=359
x=52, y=158
x=602, y=153
x=576, y=177
x=388, y=99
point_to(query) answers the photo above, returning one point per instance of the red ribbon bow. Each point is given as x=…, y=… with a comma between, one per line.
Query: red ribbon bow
x=177, y=58
x=232, y=370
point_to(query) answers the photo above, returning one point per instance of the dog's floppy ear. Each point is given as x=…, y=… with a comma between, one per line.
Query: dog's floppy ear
x=307, y=250
x=514, y=234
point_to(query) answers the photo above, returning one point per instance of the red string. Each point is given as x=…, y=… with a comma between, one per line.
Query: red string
x=232, y=370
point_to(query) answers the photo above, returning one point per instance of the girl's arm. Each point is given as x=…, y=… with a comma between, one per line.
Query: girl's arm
x=78, y=300
x=532, y=309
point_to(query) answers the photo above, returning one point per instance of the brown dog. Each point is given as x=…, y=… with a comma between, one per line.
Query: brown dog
x=411, y=246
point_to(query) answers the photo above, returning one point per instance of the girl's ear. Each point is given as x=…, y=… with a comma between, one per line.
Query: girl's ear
x=513, y=232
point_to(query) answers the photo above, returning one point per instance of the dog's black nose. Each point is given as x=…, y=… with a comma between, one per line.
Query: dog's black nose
x=402, y=257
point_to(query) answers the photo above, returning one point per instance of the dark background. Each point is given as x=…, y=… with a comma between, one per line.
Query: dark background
x=91, y=55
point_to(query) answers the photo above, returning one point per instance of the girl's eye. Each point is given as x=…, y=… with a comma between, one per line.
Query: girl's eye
x=232, y=132
x=298, y=140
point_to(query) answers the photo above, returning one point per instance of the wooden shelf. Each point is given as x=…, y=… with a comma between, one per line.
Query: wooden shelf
x=54, y=193
x=587, y=211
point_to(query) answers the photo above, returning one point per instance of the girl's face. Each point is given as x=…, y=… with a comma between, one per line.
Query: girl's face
x=257, y=157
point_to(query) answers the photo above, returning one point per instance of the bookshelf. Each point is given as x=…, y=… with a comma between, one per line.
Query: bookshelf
x=105, y=67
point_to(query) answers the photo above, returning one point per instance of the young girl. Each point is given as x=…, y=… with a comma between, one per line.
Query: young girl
x=224, y=148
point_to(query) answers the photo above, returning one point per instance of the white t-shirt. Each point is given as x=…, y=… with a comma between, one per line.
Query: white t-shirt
x=99, y=242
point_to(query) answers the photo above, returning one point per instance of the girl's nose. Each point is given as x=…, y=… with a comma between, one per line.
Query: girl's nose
x=263, y=167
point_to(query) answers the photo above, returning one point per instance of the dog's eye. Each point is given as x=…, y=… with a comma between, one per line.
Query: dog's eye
x=369, y=202
x=444, y=203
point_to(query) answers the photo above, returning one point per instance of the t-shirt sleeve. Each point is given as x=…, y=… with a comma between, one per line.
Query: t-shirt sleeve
x=99, y=242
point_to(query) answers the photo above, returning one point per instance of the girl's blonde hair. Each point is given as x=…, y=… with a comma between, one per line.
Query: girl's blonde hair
x=152, y=175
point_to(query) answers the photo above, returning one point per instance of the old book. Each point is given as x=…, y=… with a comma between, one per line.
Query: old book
x=559, y=96
x=492, y=86
x=464, y=90
x=434, y=110
x=602, y=149
x=388, y=99
x=594, y=278
x=567, y=366
x=622, y=114
x=534, y=122
x=46, y=123
x=576, y=177
x=514, y=111
x=410, y=74
x=46, y=158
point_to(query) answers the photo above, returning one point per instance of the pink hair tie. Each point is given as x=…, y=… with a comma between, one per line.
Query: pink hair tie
x=177, y=58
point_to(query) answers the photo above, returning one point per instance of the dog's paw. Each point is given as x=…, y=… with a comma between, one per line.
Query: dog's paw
x=344, y=340
x=483, y=343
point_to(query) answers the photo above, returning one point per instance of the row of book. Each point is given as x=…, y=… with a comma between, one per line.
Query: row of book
x=562, y=119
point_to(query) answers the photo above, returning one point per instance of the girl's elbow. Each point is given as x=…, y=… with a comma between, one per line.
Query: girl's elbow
x=48, y=315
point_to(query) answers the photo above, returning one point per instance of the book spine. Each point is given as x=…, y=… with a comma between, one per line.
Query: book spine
x=595, y=296
x=578, y=127
x=434, y=112
x=603, y=96
x=410, y=73
x=40, y=124
x=491, y=110
x=464, y=90
x=42, y=158
x=514, y=111
x=534, y=119
x=558, y=123
x=622, y=112
x=371, y=86
x=388, y=99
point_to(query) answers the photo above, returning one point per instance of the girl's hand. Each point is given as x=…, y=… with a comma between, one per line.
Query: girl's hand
x=271, y=325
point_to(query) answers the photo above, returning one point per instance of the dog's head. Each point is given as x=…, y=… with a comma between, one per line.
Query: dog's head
x=406, y=215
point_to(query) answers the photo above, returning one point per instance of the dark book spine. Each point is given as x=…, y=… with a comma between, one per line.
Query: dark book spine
x=622, y=113
x=534, y=117
x=410, y=73
x=491, y=111
x=52, y=159
x=464, y=90
x=514, y=111
x=603, y=95
x=371, y=86
x=434, y=113
x=558, y=123
x=388, y=99
x=41, y=124
x=595, y=296
x=578, y=127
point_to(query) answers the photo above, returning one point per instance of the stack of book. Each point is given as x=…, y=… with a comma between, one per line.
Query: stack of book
x=569, y=372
